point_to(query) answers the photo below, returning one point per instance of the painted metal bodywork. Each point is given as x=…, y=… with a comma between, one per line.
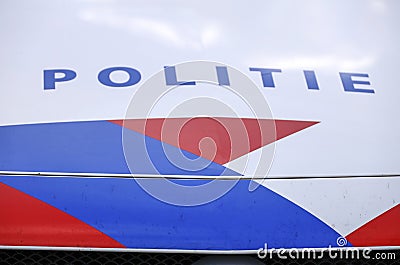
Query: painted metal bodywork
x=64, y=177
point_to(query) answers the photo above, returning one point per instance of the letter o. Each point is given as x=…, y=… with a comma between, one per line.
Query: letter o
x=104, y=76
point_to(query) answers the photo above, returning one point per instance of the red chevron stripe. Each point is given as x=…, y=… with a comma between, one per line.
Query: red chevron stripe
x=217, y=139
x=384, y=230
x=27, y=221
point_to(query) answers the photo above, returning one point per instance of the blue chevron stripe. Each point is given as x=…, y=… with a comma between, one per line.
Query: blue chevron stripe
x=238, y=220
x=91, y=147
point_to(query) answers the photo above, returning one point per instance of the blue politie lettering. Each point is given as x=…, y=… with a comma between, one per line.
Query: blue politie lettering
x=266, y=75
x=348, y=82
x=52, y=76
x=222, y=75
x=311, y=80
x=50, y=79
x=172, y=80
x=104, y=77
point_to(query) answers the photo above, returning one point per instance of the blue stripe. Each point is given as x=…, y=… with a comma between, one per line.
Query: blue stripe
x=238, y=220
x=91, y=147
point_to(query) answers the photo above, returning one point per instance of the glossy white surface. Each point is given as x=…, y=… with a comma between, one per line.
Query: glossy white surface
x=358, y=133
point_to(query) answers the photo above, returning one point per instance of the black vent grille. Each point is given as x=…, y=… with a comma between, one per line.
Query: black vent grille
x=25, y=257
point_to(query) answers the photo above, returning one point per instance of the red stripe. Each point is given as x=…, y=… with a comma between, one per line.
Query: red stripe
x=384, y=230
x=217, y=139
x=27, y=221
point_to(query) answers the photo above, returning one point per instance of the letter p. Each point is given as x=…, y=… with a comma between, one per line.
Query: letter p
x=50, y=79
